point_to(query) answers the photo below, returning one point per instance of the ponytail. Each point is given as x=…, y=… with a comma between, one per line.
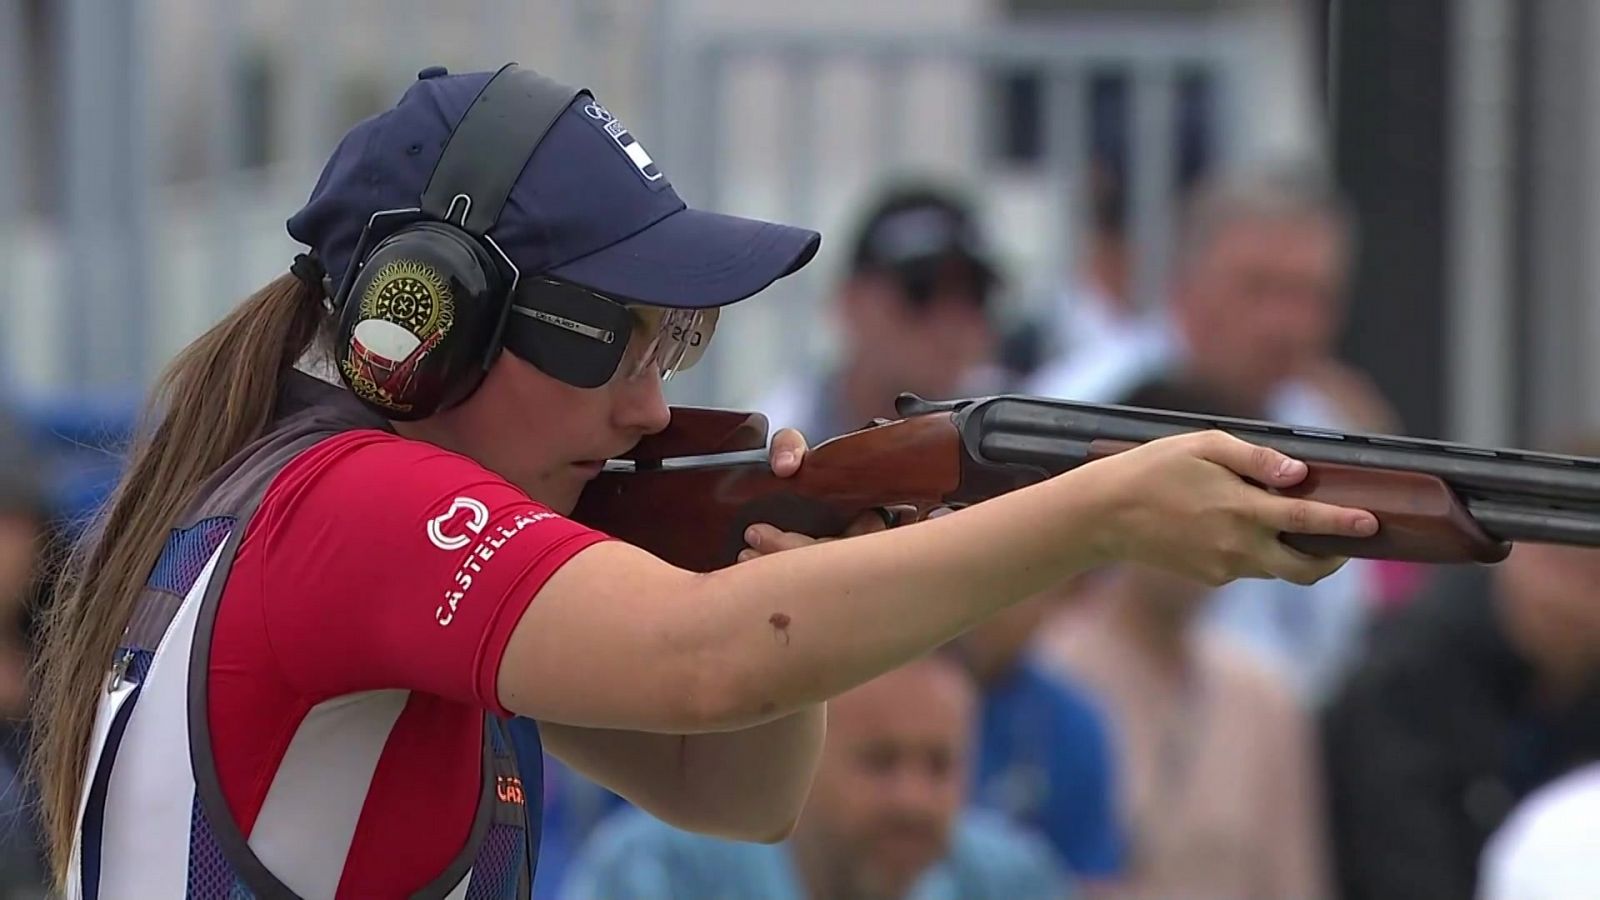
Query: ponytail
x=216, y=397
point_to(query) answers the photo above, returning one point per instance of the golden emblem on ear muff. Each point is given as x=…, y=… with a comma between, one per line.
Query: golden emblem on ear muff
x=405, y=311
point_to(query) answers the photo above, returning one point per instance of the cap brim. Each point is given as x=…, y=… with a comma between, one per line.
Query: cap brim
x=694, y=259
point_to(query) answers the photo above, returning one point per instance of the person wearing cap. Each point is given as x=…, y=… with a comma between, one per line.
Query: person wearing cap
x=914, y=313
x=338, y=606
x=886, y=817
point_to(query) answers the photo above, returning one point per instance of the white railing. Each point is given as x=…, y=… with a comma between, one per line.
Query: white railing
x=159, y=230
x=802, y=125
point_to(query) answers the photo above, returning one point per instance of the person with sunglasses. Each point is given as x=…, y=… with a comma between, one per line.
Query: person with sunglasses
x=337, y=608
x=914, y=310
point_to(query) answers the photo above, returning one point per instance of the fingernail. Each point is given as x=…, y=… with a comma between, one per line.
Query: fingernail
x=785, y=458
x=752, y=536
x=1290, y=468
x=1364, y=525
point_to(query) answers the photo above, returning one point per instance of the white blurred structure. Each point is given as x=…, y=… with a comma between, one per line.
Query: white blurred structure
x=1549, y=848
x=152, y=149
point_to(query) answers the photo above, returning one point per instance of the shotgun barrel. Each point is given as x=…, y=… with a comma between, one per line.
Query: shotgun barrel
x=1513, y=495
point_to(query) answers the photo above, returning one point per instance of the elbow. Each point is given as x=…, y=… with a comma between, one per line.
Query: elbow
x=718, y=689
x=777, y=832
x=722, y=698
x=767, y=825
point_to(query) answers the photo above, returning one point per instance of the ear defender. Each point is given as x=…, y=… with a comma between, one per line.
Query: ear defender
x=417, y=319
x=423, y=305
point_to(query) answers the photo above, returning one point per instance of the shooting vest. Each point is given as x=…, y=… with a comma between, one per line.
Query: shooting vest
x=153, y=822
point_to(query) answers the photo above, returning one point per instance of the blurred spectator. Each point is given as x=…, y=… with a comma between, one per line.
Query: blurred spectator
x=915, y=317
x=58, y=459
x=24, y=520
x=80, y=442
x=884, y=820
x=913, y=312
x=573, y=807
x=1219, y=785
x=1549, y=849
x=74, y=446
x=1467, y=700
x=1044, y=756
x=1095, y=310
x=1255, y=308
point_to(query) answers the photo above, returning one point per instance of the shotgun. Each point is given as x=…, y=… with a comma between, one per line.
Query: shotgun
x=688, y=493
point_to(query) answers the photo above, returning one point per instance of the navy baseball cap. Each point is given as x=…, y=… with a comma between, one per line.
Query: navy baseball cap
x=921, y=232
x=591, y=207
x=912, y=224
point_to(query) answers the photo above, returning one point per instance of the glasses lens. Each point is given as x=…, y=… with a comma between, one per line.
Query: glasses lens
x=678, y=340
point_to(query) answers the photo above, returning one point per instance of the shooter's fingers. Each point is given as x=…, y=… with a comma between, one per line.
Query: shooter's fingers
x=1263, y=465
x=1295, y=516
x=1279, y=560
x=880, y=519
x=787, y=450
x=1266, y=466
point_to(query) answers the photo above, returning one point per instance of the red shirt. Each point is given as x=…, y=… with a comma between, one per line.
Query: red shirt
x=377, y=563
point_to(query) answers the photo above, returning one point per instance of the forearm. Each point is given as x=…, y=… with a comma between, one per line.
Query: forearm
x=753, y=783
x=743, y=785
x=791, y=629
x=617, y=638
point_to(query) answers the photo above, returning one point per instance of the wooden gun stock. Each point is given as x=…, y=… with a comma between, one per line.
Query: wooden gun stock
x=1436, y=502
x=1420, y=519
x=695, y=517
x=697, y=430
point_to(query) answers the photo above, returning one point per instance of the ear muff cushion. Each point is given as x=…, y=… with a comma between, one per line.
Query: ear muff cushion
x=415, y=331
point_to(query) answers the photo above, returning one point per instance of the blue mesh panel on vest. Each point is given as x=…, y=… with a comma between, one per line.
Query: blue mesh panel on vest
x=139, y=666
x=211, y=876
x=186, y=554
x=499, y=860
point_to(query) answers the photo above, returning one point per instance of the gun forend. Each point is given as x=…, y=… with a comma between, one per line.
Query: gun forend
x=1419, y=518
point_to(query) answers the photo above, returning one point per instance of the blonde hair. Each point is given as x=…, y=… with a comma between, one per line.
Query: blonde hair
x=214, y=399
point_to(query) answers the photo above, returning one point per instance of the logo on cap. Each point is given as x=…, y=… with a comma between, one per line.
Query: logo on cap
x=614, y=129
x=406, y=310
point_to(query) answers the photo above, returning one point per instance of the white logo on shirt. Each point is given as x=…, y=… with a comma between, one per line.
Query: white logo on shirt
x=445, y=532
x=473, y=564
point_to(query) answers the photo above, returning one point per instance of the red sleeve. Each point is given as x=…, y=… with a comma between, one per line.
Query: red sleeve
x=390, y=563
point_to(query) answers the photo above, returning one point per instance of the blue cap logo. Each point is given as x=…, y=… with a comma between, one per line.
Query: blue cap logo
x=625, y=141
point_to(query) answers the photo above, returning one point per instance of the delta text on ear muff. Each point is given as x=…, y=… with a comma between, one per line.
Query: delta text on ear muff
x=423, y=304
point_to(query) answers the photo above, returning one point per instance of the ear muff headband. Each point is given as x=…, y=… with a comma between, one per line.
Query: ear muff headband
x=491, y=145
x=423, y=306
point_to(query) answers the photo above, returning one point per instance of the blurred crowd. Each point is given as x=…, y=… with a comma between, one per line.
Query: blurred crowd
x=1394, y=731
